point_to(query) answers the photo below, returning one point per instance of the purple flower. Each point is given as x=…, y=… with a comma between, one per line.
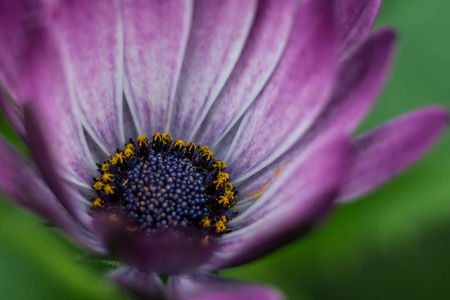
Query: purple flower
x=270, y=89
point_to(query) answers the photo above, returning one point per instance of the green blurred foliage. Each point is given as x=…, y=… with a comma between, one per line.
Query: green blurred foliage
x=393, y=244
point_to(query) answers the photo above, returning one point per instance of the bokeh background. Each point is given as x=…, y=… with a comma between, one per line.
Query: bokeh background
x=392, y=244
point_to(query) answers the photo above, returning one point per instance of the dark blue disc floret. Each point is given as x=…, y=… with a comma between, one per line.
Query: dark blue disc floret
x=163, y=185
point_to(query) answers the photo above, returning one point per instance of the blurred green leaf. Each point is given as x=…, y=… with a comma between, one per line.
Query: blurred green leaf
x=37, y=263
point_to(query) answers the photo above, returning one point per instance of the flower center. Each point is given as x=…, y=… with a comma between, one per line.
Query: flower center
x=162, y=185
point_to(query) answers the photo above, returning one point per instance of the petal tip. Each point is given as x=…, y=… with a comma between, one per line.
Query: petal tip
x=387, y=33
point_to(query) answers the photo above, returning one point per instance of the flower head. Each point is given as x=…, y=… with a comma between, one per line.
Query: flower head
x=184, y=137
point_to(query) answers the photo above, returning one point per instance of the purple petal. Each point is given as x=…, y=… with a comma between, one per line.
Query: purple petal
x=222, y=148
x=360, y=77
x=42, y=87
x=53, y=132
x=146, y=285
x=294, y=95
x=264, y=47
x=388, y=149
x=155, y=35
x=90, y=34
x=208, y=286
x=16, y=19
x=218, y=33
x=164, y=252
x=356, y=18
x=22, y=183
x=296, y=201
x=11, y=111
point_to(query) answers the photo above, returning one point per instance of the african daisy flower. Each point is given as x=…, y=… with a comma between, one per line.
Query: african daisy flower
x=183, y=137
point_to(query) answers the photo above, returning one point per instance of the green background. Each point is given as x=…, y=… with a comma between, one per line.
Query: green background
x=392, y=244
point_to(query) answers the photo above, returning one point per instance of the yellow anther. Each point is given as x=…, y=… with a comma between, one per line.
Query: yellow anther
x=229, y=194
x=223, y=200
x=166, y=139
x=120, y=157
x=221, y=179
x=98, y=186
x=113, y=160
x=105, y=167
x=109, y=190
x=205, y=222
x=179, y=145
x=205, y=152
x=99, y=202
x=220, y=226
x=219, y=165
x=142, y=141
x=191, y=147
x=228, y=186
x=157, y=138
x=107, y=177
x=129, y=152
x=130, y=146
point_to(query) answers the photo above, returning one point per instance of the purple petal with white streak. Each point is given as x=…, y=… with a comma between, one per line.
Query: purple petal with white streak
x=262, y=51
x=361, y=75
x=385, y=151
x=90, y=33
x=208, y=286
x=55, y=143
x=296, y=202
x=43, y=87
x=294, y=95
x=155, y=35
x=356, y=18
x=359, y=80
x=221, y=149
x=218, y=34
